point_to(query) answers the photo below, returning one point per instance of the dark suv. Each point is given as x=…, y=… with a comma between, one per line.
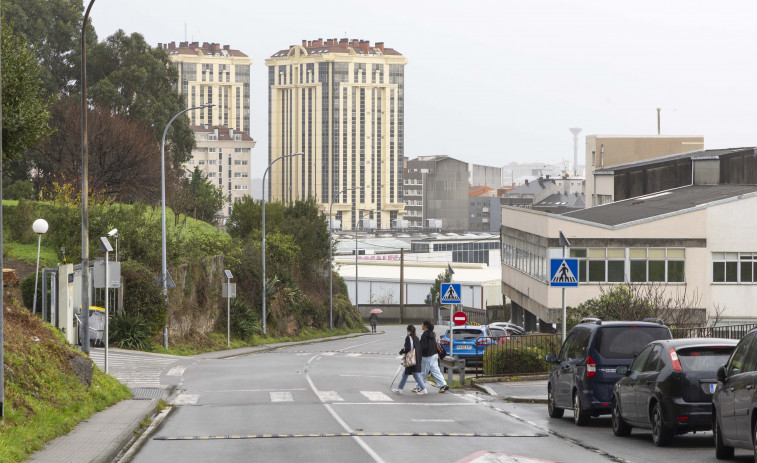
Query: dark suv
x=584, y=373
x=734, y=403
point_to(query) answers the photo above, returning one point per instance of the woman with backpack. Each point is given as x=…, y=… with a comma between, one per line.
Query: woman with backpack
x=430, y=362
x=412, y=362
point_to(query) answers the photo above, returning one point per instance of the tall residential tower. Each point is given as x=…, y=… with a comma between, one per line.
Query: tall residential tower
x=341, y=103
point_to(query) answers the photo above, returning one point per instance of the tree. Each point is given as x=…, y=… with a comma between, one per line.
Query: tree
x=124, y=159
x=198, y=197
x=133, y=80
x=434, y=293
x=53, y=30
x=25, y=114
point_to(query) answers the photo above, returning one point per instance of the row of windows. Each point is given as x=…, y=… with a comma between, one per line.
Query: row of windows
x=734, y=267
x=641, y=265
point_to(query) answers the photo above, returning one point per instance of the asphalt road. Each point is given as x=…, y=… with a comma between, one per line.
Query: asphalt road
x=323, y=402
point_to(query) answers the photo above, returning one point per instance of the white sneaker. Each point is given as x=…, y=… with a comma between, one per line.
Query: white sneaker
x=397, y=391
x=422, y=391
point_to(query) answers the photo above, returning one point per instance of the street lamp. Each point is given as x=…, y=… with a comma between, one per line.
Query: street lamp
x=331, y=258
x=84, y=186
x=114, y=234
x=164, y=274
x=263, y=246
x=357, y=227
x=40, y=228
x=107, y=248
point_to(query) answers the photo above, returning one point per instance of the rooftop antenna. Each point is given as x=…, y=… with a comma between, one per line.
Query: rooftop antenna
x=575, y=131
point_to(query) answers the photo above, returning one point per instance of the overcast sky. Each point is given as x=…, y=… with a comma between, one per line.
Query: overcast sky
x=499, y=81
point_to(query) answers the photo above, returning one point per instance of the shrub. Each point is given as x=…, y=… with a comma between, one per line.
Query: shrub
x=129, y=331
x=27, y=292
x=143, y=298
x=245, y=320
x=514, y=361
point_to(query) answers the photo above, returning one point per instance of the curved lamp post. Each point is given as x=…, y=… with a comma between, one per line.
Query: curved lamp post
x=164, y=270
x=263, y=248
x=40, y=228
x=84, y=187
x=331, y=258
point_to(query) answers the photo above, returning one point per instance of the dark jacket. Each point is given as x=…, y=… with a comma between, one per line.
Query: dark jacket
x=417, y=367
x=428, y=343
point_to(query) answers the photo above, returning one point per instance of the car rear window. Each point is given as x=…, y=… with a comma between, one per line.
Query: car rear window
x=465, y=333
x=704, y=358
x=616, y=342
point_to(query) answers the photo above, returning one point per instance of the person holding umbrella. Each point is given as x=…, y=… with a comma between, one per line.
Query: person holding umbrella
x=374, y=318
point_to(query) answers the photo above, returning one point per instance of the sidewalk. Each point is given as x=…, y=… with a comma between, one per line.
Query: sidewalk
x=517, y=391
x=100, y=438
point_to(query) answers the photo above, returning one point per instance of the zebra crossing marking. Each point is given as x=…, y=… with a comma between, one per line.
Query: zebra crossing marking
x=187, y=399
x=329, y=396
x=284, y=396
x=176, y=371
x=376, y=396
x=354, y=354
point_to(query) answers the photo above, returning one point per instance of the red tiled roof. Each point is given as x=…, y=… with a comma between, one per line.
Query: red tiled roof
x=191, y=48
x=361, y=47
x=223, y=131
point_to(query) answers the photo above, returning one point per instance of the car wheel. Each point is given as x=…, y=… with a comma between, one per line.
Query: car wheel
x=722, y=451
x=661, y=434
x=619, y=426
x=580, y=417
x=554, y=410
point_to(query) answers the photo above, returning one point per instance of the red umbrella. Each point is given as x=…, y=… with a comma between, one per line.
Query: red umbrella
x=377, y=311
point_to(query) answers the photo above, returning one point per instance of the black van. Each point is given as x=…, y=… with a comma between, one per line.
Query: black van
x=583, y=374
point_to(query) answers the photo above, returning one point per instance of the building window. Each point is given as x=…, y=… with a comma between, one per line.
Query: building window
x=212, y=162
x=608, y=265
x=734, y=267
x=201, y=162
x=211, y=174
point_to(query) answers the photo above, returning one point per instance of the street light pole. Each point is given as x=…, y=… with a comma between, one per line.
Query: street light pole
x=357, y=227
x=84, y=188
x=263, y=222
x=40, y=228
x=164, y=264
x=331, y=259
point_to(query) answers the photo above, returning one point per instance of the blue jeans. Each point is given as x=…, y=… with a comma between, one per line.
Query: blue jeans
x=431, y=365
x=418, y=379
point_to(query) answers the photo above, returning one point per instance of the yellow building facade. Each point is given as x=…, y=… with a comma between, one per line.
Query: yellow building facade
x=213, y=74
x=339, y=102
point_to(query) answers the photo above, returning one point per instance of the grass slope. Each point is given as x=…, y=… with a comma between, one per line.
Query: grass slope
x=43, y=398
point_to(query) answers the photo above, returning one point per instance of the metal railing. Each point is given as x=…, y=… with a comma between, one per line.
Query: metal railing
x=724, y=331
x=516, y=355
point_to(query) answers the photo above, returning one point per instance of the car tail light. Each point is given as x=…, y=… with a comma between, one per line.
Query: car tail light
x=591, y=367
x=483, y=341
x=444, y=342
x=683, y=419
x=675, y=361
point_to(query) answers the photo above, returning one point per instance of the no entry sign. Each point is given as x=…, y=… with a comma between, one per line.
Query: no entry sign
x=459, y=318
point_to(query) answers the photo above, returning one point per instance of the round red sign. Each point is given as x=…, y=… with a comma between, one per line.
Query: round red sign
x=459, y=318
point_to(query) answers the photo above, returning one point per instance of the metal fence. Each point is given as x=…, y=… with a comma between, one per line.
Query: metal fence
x=724, y=331
x=516, y=355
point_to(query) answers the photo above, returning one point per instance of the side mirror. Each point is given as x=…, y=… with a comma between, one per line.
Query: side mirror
x=721, y=374
x=550, y=358
x=622, y=370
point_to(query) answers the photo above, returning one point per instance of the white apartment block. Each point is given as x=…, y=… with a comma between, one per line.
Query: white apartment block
x=224, y=156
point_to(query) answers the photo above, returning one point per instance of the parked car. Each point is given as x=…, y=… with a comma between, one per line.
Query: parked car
x=583, y=374
x=470, y=342
x=511, y=328
x=734, y=403
x=668, y=388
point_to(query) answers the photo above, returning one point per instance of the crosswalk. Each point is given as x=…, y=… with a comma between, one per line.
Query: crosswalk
x=302, y=396
x=136, y=370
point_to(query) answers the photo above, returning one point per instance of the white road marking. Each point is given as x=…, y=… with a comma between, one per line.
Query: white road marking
x=365, y=376
x=329, y=396
x=281, y=396
x=328, y=353
x=434, y=421
x=421, y=404
x=376, y=396
x=372, y=453
x=176, y=371
x=227, y=391
x=187, y=399
x=353, y=355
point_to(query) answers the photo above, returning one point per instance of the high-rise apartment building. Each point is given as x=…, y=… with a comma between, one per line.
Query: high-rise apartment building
x=223, y=155
x=341, y=104
x=212, y=74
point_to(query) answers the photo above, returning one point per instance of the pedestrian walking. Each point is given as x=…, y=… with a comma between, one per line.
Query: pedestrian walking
x=430, y=361
x=412, y=362
x=374, y=320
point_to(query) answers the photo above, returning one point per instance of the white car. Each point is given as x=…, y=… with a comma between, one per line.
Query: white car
x=511, y=328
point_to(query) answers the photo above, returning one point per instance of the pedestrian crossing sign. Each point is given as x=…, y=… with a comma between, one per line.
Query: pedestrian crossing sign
x=450, y=293
x=563, y=272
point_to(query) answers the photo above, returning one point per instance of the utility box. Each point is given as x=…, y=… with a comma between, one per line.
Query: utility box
x=434, y=224
x=66, y=302
x=400, y=224
x=114, y=274
x=334, y=224
x=368, y=224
